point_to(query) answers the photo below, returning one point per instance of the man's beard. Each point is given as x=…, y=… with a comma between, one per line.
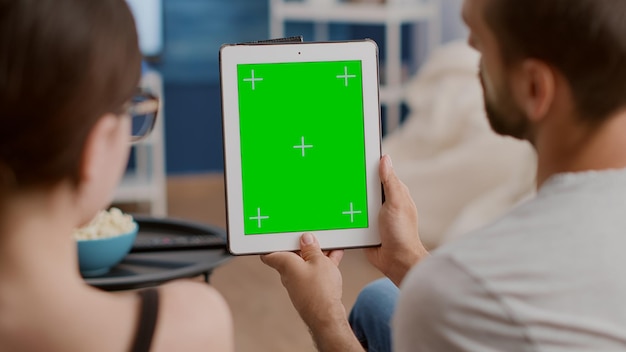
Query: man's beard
x=504, y=116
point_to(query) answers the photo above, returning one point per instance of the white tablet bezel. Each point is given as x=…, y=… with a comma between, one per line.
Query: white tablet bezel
x=365, y=51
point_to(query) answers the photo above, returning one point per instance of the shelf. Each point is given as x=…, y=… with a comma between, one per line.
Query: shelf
x=391, y=95
x=355, y=13
x=135, y=188
x=151, y=139
x=392, y=15
x=146, y=182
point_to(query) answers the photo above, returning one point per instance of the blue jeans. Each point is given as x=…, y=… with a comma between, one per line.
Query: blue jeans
x=370, y=317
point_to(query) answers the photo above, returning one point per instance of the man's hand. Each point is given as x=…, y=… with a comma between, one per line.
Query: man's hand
x=314, y=284
x=401, y=247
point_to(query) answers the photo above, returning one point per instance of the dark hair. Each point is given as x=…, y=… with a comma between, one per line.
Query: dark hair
x=585, y=40
x=63, y=64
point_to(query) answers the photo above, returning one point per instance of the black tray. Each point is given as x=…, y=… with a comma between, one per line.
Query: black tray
x=145, y=269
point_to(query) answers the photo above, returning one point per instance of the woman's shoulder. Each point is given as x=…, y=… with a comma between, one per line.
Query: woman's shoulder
x=192, y=316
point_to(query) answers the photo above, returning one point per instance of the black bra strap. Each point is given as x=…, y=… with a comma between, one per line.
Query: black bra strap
x=148, y=315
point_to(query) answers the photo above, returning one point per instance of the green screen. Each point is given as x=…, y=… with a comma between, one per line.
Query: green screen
x=302, y=146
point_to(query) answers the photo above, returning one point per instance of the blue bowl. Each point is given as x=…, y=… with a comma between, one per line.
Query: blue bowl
x=97, y=256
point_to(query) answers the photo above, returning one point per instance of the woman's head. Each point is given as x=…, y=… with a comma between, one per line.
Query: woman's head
x=64, y=64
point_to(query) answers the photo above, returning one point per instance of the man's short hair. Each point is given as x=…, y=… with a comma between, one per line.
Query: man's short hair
x=585, y=40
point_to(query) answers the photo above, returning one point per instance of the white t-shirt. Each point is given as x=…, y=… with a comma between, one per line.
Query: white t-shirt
x=548, y=276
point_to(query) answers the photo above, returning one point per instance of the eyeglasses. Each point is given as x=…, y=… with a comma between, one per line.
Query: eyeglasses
x=143, y=110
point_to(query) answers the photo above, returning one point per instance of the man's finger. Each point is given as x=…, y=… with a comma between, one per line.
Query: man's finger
x=310, y=247
x=335, y=256
x=281, y=260
x=393, y=187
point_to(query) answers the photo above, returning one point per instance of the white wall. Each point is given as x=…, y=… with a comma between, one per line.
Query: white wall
x=149, y=20
x=453, y=26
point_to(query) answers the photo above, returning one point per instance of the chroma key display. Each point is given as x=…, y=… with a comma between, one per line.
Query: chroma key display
x=302, y=146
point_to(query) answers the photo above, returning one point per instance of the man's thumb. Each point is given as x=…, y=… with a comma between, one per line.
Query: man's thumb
x=309, y=247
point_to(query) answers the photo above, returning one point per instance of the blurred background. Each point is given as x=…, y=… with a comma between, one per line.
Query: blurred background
x=178, y=171
x=181, y=39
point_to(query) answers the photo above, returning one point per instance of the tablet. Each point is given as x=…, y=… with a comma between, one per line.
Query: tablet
x=301, y=132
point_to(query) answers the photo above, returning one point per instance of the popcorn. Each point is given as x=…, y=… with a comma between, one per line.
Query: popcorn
x=106, y=224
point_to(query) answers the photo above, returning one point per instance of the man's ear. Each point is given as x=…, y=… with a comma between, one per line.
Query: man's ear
x=93, y=158
x=536, y=88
